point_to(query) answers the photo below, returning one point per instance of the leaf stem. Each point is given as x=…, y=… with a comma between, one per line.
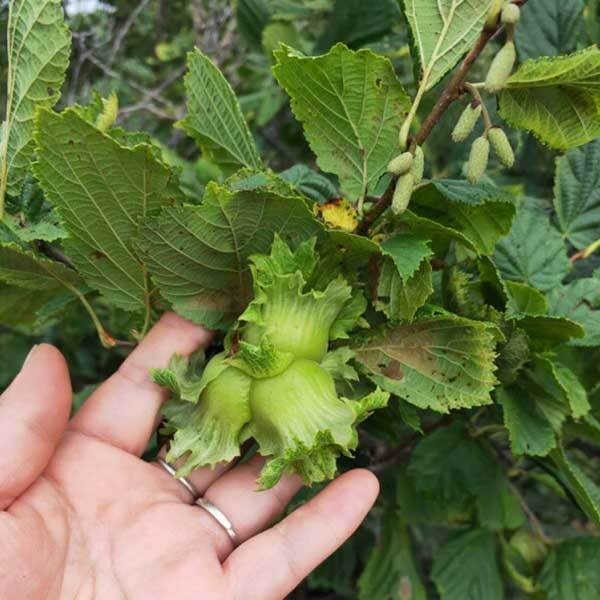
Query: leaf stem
x=535, y=523
x=586, y=252
x=487, y=122
x=405, y=129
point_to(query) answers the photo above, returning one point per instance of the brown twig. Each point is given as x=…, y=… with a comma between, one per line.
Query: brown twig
x=452, y=91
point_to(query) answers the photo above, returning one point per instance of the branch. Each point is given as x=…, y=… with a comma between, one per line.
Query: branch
x=120, y=37
x=452, y=91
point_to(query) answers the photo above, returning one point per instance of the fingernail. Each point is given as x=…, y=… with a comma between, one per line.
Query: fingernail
x=28, y=357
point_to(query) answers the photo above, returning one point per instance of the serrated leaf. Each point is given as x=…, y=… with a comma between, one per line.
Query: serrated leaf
x=198, y=255
x=443, y=31
x=549, y=28
x=400, y=298
x=351, y=105
x=548, y=331
x=101, y=191
x=391, y=571
x=580, y=302
x=215, y=119
x=38, y=46
x=558, y=99
x=442, y=363
x=18, y=306
x=47, y=229
x=571, y=570
x=355, y=23
x=534, y=252
x=529, y=431
x=338, y=571
x=476, y=215
x=524, y=300
x=466, y=568
x=570, y=386
x=577, y=194
x=310, y=183
x=586, y=491
x=252, y=18
x=26, y=270
x=407, y=251
x=450, y=465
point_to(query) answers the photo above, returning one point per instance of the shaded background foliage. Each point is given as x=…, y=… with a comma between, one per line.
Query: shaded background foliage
x=139, y=50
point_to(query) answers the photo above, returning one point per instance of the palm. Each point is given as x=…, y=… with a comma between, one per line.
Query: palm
x=119, y=531
x=95, y=521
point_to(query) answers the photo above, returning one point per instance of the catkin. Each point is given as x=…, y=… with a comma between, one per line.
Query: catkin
x=418, y=167
x=478, y=159
x=511, y=14
x=402, y=193
x=401, y=164
x=467, y=121
x=501, y=68
x=501, y=146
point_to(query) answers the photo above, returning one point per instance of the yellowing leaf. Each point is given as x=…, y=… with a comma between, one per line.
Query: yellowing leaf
x=339, y=215
x=442, y=363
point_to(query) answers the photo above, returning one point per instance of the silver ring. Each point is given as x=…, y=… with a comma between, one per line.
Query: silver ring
x=223, y=521
x=182, y=480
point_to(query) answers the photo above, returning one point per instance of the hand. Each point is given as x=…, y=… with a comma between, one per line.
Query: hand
x=82, y=516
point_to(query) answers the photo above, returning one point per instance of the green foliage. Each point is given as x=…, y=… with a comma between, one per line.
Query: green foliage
x=571, y=570
x=391, y=570
x=550, y=28
x=38, y=46
x=350, y=104
x=442, y=32
x=441, y=363
x=465, y=317
x=214, y=117
x=534, y=252
x=551, y=98
x=466, y=568
x=102, y=191
x=577, y=194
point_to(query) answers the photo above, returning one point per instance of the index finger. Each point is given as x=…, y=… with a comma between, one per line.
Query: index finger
x=123, y=410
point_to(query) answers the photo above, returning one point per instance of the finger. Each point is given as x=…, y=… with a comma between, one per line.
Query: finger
x=250, y=511
x=290, y=550
x=202, y=477
x=123, y=410
x=34, y=412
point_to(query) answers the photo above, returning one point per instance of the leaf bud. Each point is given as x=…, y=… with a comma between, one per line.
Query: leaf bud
x=501, y=68
x=501, y=146
x=528, y=546
x=467, y=121
x=402, y=193
x=511, y=14
x=401, y=164
x=110, y=110
x=493, y=13
x=418, y=167
x=478, y=159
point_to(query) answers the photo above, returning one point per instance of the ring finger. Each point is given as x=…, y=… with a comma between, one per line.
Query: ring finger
x=200, y=479
x=249, y=509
